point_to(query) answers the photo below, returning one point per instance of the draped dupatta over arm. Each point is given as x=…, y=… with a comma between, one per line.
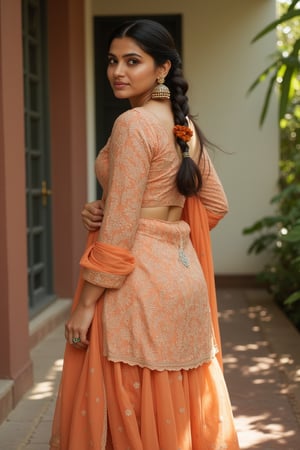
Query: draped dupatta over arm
x=201, y=221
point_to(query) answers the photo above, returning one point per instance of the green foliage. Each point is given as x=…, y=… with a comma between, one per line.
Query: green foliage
x=279, y=235
x=285, y=67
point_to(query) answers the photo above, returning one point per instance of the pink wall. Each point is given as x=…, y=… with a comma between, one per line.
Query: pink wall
x=68, y=153
x=15, y=361
x=68, y=137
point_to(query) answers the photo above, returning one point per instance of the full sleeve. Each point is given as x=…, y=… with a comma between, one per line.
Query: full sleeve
x=212, y=194
x=130, y=154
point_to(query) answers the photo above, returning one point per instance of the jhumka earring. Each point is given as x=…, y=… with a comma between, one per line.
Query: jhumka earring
x=161, y=91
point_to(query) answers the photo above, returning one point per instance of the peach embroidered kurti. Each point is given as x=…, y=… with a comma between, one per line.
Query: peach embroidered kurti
x=150, y=379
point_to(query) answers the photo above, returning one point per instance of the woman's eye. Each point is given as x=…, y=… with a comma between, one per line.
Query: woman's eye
x=111, y=61
x=132, y=62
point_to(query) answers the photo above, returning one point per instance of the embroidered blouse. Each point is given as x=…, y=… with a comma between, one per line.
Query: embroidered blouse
x=137, y=168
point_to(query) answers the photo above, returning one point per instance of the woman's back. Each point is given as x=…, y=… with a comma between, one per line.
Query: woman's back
x=143, y=150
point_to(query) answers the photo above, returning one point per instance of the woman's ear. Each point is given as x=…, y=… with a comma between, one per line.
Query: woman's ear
x=165, y=68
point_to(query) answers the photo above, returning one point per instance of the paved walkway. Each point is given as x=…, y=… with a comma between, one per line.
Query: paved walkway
x=262, y=368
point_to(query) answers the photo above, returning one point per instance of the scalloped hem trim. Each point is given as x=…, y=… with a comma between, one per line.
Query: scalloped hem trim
x=166, y=365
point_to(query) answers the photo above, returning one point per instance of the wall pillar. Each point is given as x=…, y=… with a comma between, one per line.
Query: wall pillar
x=68, y=137
x=15, y=362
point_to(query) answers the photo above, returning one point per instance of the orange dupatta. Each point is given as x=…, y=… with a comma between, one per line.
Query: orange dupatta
x=83, y=371
x=201, y=221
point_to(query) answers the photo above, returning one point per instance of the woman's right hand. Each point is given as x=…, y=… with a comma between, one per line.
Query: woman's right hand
x=92, y=215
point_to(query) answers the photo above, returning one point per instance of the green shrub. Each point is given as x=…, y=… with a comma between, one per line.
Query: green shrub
x=279, y=235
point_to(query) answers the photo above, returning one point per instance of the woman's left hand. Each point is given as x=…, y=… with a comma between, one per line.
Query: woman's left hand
x=77, y=327
x=92, y=215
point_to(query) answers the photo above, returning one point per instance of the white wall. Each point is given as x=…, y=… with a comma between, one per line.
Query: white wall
x=220, y=64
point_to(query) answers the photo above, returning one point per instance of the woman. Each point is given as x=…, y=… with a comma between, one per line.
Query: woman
x=141, y=369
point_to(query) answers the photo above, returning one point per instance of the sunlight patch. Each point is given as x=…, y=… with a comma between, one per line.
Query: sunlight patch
x=41, y=391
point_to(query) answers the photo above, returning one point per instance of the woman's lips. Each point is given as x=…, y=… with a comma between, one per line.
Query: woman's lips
x=119, y=85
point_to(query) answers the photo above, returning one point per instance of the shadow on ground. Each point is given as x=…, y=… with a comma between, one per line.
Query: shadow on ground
x=262, y=405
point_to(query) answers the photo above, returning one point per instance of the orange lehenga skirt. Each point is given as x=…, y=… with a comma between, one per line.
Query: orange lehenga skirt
x=105, y=405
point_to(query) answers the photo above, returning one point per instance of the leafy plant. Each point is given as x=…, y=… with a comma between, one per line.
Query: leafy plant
x=284, y=69
x=279, y=235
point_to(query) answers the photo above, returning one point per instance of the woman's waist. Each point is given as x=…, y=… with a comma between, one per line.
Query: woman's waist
x=175, y=232
x=166, y=213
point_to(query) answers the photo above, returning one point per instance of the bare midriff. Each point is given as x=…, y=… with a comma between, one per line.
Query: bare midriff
x=169, y=213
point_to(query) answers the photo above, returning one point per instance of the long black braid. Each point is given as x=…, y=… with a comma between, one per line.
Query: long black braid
x=188, y=179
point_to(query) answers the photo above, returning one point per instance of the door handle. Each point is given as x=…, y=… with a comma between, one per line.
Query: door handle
x=45, y=193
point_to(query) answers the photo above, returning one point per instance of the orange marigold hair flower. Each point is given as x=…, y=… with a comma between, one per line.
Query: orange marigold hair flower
x=183, y=132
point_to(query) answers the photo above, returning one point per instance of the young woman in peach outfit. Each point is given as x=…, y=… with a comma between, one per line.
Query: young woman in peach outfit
x=142, y=366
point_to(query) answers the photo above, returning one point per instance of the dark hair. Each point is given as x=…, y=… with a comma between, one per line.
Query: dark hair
x=157, y=42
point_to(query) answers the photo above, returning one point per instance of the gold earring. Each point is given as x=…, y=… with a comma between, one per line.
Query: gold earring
x=161, y=91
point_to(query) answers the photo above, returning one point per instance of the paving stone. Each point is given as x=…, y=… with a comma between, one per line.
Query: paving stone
x=263, y=412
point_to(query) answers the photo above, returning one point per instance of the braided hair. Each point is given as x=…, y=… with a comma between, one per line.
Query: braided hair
x=157, y=42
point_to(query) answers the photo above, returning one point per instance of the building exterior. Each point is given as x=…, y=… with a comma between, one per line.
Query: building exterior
x=54, y=115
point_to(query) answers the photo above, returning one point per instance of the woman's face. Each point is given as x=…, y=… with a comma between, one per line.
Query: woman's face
x=132, y=73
